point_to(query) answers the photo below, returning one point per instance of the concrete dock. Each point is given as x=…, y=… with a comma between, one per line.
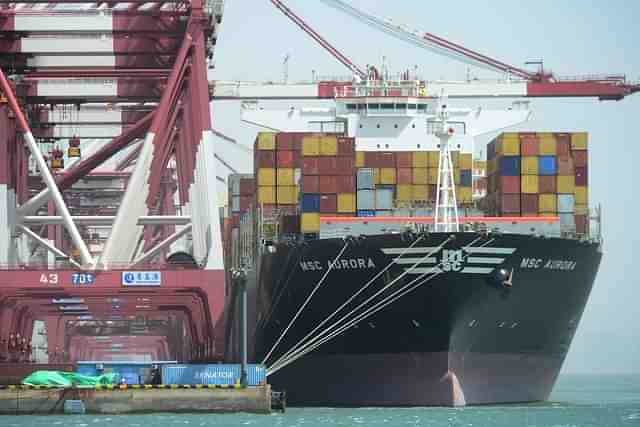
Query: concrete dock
x=39, y=400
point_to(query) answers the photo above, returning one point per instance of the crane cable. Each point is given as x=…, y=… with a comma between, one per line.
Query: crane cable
x=363, y=288
x=371, y=311
x=317, y=286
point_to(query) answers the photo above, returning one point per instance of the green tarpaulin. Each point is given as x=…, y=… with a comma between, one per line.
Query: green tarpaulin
x=68, y=379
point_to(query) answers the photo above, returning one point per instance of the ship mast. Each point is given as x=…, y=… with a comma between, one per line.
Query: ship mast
x=446, y=212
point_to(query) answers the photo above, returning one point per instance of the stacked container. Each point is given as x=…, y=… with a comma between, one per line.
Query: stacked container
x=536, y=174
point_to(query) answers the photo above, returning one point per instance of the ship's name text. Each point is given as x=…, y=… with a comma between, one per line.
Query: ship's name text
x=341, y=264
x=552, y=264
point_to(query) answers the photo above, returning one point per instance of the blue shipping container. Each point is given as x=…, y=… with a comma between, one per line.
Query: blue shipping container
x=365, y=213
x=547, y=165
x=465, y=178
x=566, y=203
x=510, y=166
x=310, y=203
x=131, y=372
x=365, y=179
x=212, y=374
x=384, y=213
x=567, y=221
x=384, y=198
x=366, y=199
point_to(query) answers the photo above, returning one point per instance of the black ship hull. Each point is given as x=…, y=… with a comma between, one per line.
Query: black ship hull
x=485, y=319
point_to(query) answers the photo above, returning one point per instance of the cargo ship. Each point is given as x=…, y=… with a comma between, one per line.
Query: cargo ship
x=390, y=266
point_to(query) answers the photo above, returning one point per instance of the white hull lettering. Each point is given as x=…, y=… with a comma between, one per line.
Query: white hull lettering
x=341, y=264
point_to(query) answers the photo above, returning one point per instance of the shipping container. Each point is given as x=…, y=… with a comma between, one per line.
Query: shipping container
x=359, y=159
x=509, y=166
x=284, y=141
x=567, y=221
x=247, y=186
x=386, y=213
x=508, y=145
x=328, y=203
x=581, y=224
x=310, y=166
x=365, y=179
x=529, y=184
x=433, y=159
x=547, y=203
x=566, y=203
x=328, y=165
x=285, y=159
x=547, y=184
x=266, y=195
x=529, y=145
x=509, y=203
x=266, y=141
x=405, y=175
x=235, y=203
x=582, y=178
x=565, y=166
x=285, y=177
x=579, y=141
x=582, y=210
x=432, y=190
x=492, y=166
x=345, y=166
x=287, y=195
x=566, y=184
x=346, y=202
x=433, y=176
x=267, y=177
x=246, y=202
x=580, y=158
x=404, y=159
x=404, y=193
x=328, y=184
x=420, y=176
x=529, y=204
x=386, y=160
x=466, y=179
x=404, y=212
x=371, y=159
x=529, y=165
x=384, y=198
x=310, y=203
x=455, y=159
x=563, y=145
x=328, y=145
x=366, y=213
x=548, y=145
x=376, y=176
x=491, y=150
x=266, y=159
x=420, y=192
x=346, y=146
x=310, y=222
x=346, y=184
x=234, y=184
x=466, y=161
x=465, y=195
x=310, y=183
x=387, y=176
x=217, y=374
x=547, y=165
x=582, y=195
x=366, y=199
x=311, y=146
x=420, y=159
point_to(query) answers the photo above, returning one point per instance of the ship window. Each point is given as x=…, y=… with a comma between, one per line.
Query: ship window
x=378, y=146
x=378, y=125
x=360, y=126
x=401, y=106
x=422, y=107
x=387, y=106
x=351, y=106
x=413, y=125
x=412, y=106
x=386, y=145
x=418, y=146
x=395, y=126
x=374, y=106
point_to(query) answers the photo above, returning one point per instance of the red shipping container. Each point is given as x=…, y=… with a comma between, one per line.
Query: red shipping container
x=404, y=159
x=328, y=184
x=580, y=158
x=371, y=159
x=327, y=165
x=547, y=184
x=581, y=224
x=509, y=203
x=565, y=166
x=285, y=159
x=344, y=166
x=310, y=166
x=563, y=144
x=247, y=186
x=284, y=141
x=310, y=183
x=405, y=176
x=265, y=159
x=346, y=146
x=328, y=203
x=529, y=204
x=529, y=146
x=582, y=177
x=508, y=184
x=270, y=210
x=235, y=220
x=386, y=159
x=346, y=184
x=245, y=203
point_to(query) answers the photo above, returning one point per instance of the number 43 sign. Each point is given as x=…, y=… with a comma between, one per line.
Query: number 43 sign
x=49, y=278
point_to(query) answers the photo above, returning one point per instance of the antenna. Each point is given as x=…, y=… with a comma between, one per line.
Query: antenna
x=285, y=67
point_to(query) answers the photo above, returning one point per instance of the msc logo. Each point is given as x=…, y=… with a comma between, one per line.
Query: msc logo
x=452, y=260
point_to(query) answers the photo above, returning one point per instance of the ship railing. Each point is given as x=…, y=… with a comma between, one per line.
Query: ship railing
x=621, y=78
x=66, y=266
x=407, y=89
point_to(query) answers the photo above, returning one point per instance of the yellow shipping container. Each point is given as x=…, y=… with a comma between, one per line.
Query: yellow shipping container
x=387, y=176
x=548, y=144
x=434, y=159
x=285, y=177
x=508, y=145
x=582, y=210
x=359, y=159
x=267, y=176
x=547, y=214
x=420, y=176
x=403, y=204
x=582, y=195
x=464, y=195
x=529, y=165
x=376, y=176
x=311, y=146
x=267, y=195
x=328, y=146
x=420, y=192
x=420, y=159
x=566, y=184
x=579, y=140
x=310, y=222
x=287, y=195
x=547, y=203
x=266, y=141
x=455, y=159
x=433, y=176
x=404, y=192
x=529, y=184
x=346, y=202
x=456, y=176
x=466, y=161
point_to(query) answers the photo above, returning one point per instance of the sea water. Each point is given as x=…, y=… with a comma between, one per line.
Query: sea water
x=577, y=400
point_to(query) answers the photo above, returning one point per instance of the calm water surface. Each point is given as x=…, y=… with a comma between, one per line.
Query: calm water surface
x=578, y=400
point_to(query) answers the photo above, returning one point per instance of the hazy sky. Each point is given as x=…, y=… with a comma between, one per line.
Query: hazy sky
x=573, y=38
